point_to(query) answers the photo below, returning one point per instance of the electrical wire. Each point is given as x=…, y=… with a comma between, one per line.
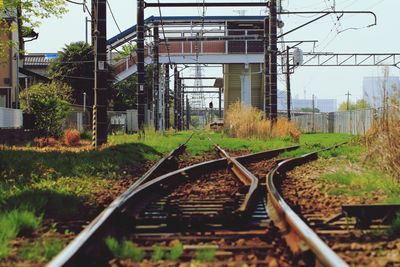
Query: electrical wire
x=163, y=30
x=112, y=15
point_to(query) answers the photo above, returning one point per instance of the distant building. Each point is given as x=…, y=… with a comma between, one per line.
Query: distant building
x=323, y=105
x=374, y=88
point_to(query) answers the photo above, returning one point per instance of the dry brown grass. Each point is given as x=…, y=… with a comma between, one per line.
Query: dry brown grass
x=383, y=141
x=72, y=137
x=247, y=122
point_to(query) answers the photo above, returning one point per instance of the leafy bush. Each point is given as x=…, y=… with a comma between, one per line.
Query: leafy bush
x=50, y=105
x=72, y=137
x=394, y=229
x=158, y=253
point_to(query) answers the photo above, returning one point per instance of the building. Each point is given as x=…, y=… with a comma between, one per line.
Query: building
x=8, y=64
x=374, y=89
x=323, y=105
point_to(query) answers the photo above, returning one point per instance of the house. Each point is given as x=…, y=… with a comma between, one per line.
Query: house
x=8, y=64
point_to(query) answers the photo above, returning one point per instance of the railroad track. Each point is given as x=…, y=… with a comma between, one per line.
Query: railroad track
x=213, y=210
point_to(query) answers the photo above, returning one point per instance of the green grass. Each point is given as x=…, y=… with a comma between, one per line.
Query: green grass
x=175, y=252
x=158, y=253
x=394, y=230
x=42, y=250
x=124, y=250
x=206, y=254
x=16, y=223
x=362, y=183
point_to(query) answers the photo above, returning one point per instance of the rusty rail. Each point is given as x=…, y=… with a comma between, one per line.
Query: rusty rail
x=143, y=191
x=298, y=235
x=95, y=225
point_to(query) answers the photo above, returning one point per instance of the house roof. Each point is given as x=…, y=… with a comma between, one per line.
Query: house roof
x=39, y=59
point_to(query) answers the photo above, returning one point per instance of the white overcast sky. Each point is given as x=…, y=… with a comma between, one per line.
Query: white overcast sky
x=324, y=82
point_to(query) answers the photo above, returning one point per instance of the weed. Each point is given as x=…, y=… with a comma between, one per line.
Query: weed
x=41, y=251
x=394, y=229
x=175, y=252
x=86, y=135
x=5, y=250
x=158, y=253
x=247, y=122
x=72, y=137
x=124, y=250
x=206, y=254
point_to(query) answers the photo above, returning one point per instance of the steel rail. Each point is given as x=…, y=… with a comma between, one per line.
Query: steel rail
x=154, y=171
x=136, y=196
x=298, y=235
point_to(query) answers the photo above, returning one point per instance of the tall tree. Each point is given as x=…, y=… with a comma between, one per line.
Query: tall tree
x=24, y=15
x=75, y=66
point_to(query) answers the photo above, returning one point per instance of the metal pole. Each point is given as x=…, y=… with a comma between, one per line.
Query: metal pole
x=267, y=104
x=313, y=113
x=156, y=77
x=166, y=97
x=288, y=96
x=348, y=100
x=219, y=103
x=176, y=78
x=86, y=30
x=182, y=99
x=187, y=113
x=273, y=60
x=140, y=65
x=94, y=115
x=179, y=103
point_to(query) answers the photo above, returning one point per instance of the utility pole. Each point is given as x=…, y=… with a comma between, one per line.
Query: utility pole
x=166, y=98
x=219, y=102
x=313, y=114
x=99, y=31
x=273, y=67
x=156, y=77
x=176, y=95
x=348, y=100
x=141, y=91
x=187, y=113
x=288, y=92
x=267, y=102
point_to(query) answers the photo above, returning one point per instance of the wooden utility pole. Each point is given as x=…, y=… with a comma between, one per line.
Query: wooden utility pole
x=348, y=100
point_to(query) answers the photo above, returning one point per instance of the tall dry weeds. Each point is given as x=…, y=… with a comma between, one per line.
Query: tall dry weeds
x=383, y=140
x=247, y=122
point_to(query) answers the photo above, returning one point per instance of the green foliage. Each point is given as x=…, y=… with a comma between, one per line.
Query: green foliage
x=50, y=105
x=125, y=95
x=126, y=51
x=158, y=253
x=41, y=251
x=362, y=183
x=124, y=250
x=394, y=230
x=75, y=67
x=206, y=254
x=309, y=110
x=359, y=104
x=175, y=252
x=86, y=135
x=14, y=223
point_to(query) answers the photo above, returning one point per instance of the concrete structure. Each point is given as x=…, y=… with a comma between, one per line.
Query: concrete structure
x=374, y=89
x=323, y=105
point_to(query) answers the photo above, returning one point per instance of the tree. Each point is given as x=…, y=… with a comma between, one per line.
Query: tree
x=49, y=103
x=360, y=104
x=75, y=67
x=24, y=15
x=309, y=110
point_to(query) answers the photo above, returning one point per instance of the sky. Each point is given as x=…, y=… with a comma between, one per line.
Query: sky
x=348, y=35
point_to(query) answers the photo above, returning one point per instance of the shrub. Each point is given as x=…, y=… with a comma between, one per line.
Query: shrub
x=158, y=253
x=245, y=122
x=50, y=105
x=206, y=254
x=72, y=137
x=175, y=252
